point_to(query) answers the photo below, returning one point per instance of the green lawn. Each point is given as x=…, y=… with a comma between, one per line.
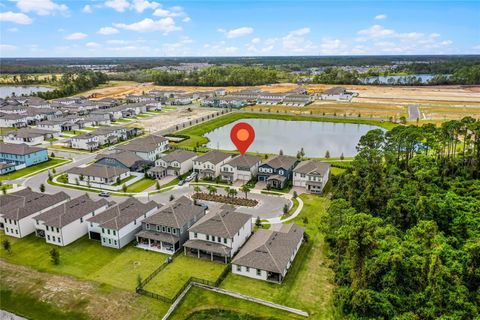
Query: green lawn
x=85, y=259
x=123, y=120
x=122, y=181
x=196, y=132
x=175, y=275
x=309, y=282
x=141, y=185
x=143, y=116
x=41, y=166
x=207, y=302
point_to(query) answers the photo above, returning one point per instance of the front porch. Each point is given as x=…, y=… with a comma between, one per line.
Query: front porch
x=207, y=173
x=276, y=181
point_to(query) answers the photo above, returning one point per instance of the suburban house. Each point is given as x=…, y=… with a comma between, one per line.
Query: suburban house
x=97, y=174
x=336, y=94
x=18, y=210
x=30, y=136
x=11, y=120
x=123, y=159
x=167, y=230
x=68, y=222
x=22, y=155
x=147, y=148
x=297, y=100
x=173, y=164
x=268, y=254
x=277, y=171
x=6, y=168
x=118, y=225
x=311, y=175
x=208, y=165
x=240, y=168
x=102, y=136
x=219, y=235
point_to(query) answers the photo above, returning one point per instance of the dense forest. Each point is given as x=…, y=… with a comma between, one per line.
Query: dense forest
x=73, y=83
x=404, y=225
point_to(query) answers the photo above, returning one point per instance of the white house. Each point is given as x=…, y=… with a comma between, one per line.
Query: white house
x=18, y=210
x=208, y=165
x=118, y=225
x=68, y=222
x=311, y=175
x=240, y=168
x=147, y=148
x=97, y=174
x=173, y=164
x=29, y=136
x=219, y=234
x=269, y=254
x=93, y=140
x=336, y=94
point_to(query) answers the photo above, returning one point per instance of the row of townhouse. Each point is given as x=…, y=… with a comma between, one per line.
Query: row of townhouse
x=29, y=136
x=102, y=136
x=15, y=156
x=222, y=235
x=31, y=116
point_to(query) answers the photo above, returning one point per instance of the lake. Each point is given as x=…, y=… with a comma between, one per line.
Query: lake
x=315, y=137
x=19, y=90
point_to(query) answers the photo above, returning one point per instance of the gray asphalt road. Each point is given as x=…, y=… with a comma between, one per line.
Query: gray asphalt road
x=413, y=112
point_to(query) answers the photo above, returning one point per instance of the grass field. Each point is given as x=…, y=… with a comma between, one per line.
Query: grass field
x=309, y=282
x=196, y=132
x=85, y=259
x=171, y=279
x=141, y=185
x=197, y=300
x=55, y=162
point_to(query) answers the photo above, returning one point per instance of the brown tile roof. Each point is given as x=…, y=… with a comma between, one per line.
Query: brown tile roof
x=18, y=149
x=122, y=214
x=98, y=170
x=270, y=250
x=24, y=203
x=177, y=214
x=70, y=211
x=222, y=223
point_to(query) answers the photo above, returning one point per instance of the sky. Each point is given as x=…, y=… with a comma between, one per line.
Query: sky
x=136, y=28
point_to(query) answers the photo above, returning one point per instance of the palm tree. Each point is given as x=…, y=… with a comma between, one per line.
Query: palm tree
x=211, y=190
x=234, y=193
x=197, y=189
x=228, y=190
x=245, y=188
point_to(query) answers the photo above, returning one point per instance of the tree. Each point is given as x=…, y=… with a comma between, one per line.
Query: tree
x=42, y=188
x=327, y=154
x=197, y=189
x=211, y=190
x=227, y=191
x=233, y=193
x=258, y=222
x=342, y=157
x=157, y=185
x=285, y=209
x=7, y=246
x=245, y=189
x=55, y=256
x=172, y=197
x=295, y=194
x=124, y=187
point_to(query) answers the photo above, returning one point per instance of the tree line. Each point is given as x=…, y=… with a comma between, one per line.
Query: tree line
x=73, y=83
x=404, y=225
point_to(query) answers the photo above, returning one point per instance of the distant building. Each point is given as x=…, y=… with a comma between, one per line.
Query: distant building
x=22, y=155
x=337, y=94
x=29, y=136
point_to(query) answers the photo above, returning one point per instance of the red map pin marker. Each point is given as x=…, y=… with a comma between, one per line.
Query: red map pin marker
x=242, y=135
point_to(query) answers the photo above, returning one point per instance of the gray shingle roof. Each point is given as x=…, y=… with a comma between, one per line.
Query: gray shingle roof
x=18, y=149
x=222, y=223
x=208, y=246
x=127, y=158
x=213, y=156
x=312, y=167
x=24, y=203
x=70, y=211
x=245, y=161
x=270, y=250
x=30, y=133
x=334, y=91
x=177, y=214
x=98, y=170
x=146, y=144
x=179, y=155
x=122, y=214
x=285, y=162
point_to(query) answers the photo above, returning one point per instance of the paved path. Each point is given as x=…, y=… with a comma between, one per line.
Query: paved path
x=413, y=112
x=292, y=216
x=176, y=303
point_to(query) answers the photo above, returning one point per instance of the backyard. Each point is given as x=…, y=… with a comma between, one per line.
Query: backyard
x=53, y=162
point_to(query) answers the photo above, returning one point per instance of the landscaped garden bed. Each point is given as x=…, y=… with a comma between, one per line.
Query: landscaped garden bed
x=224, y=199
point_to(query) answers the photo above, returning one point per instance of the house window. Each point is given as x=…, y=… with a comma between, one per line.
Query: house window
x=239, y=268
x=219, y=239
x=225, y=240
x=259, y=272
x=114, y=232
x=248, y=269
x=108, y=231
x=208, y=237
x=147, y=226
x=195, y=235
x=115, y=241
x=103, y=230
x=81, y=220
x=58, y=230
x=16, y=231
x=59, y=240
x=48, y=237
x=47, y=228
x=109, y=241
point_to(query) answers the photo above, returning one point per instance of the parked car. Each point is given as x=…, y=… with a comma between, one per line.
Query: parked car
x=104, y=194
x=181, y=182
x=203, y=205
x=191, y=177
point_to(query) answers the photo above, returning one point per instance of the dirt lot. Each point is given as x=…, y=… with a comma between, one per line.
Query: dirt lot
x=435, y=102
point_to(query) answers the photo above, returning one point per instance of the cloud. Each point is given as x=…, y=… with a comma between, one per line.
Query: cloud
x=376, y=31
x=235, y=33
x=107, y=31
x=186, y=19
x=295, y=42
x=19, y=18
x=256, y=40
x=87, y=9
x=171, y=12
x=381, y=17
x=12, y=29
x=331, y=46
x=7, y=47
x=165, y=25
x=117, y=5
x=179, y=48
x=141, y=5
x=41, y=7
x=92, y=44
x=76, y=36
